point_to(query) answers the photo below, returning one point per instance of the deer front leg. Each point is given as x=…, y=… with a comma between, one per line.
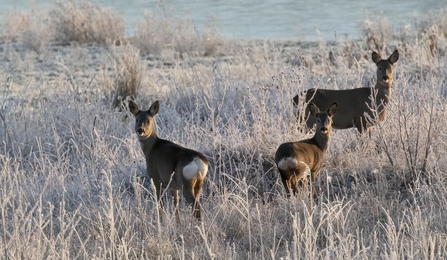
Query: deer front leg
x=313, y=177
x=158, y=191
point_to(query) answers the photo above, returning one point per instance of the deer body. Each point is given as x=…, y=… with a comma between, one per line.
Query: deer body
x=170, y=165
x=296, y=161
x=355, y=104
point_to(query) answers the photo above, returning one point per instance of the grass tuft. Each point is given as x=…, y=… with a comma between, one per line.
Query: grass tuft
x=85, y=22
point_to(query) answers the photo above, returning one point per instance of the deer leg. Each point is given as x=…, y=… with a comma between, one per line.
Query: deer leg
x=189, y=192
x=311, y=185
x=175, y=198
x=197, y=191
x=158, y=190
x=285, y=183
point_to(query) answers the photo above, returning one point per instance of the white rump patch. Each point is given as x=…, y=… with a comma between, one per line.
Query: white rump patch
x=193, y=168
x=287, y=163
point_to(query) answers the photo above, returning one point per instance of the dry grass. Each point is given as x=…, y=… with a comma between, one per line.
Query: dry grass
x=72, y=175
x=129, y=73
x=85, y=23
x=161, y=36
x=28, y=28
x=377, y=31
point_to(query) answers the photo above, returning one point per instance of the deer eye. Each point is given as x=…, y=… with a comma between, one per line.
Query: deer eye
x=137, y=120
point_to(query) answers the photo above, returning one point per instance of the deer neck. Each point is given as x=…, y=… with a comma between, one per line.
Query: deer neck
x=383, y=91
x=321, y=140
x=148, y=143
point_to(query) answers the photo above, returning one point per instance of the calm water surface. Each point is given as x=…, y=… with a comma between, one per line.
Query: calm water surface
x=266, y=19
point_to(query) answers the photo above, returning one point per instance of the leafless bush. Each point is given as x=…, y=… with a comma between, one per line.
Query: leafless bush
x=432, y=32
x=154, y=35
x=29, y=28
x=410, y=136
x=377, y=31
x=423, y=24
x=128, y=73
x=85, y=23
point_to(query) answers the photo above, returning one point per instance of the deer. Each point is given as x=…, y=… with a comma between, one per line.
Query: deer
x=356, y=107
x=169, y=165
x=297, y=161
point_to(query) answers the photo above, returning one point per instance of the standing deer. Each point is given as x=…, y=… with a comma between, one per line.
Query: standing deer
x=355, y=104
x=170, y=165
x=297, y=160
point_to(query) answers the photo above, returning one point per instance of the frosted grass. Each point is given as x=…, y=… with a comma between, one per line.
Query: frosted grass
x=72, y=177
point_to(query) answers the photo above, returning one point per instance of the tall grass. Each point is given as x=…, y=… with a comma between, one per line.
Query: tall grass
x=85, y=22
x=64, y=22
x=72, y=177
x=30, y=29
x=167, y=36
x=128, y=73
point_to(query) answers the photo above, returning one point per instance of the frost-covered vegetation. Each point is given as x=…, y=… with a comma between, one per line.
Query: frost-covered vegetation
x=72, y=176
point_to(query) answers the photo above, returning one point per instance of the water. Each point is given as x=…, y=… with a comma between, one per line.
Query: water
x=267, y=19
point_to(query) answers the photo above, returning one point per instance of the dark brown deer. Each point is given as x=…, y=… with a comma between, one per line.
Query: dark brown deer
x=356, y=108
x=170, y=165
x=297, y=161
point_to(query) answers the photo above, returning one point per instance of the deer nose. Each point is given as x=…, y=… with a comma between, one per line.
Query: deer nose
x=385, y=78
x=140, y=131
x=323, y=129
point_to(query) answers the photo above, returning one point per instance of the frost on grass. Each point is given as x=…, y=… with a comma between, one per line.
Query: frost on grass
x=160, y=36
x=72, y=176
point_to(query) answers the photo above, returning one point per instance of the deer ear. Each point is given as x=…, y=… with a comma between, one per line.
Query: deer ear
x=332, y=109
x=133, y=108
x=394, y=57
x=376, y=57
x=314, y=110
x=153, y=110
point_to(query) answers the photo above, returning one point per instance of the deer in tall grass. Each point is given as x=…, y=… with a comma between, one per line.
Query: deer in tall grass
x=356, y=107
x=297, y=161
x=170, y=165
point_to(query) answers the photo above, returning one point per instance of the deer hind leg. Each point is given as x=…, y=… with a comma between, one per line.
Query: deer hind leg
x=190, y=189
x=197, y=189
x=193, y=174
x=175, y=198
x=303, y=175
x=363, y=126
x=285, y=182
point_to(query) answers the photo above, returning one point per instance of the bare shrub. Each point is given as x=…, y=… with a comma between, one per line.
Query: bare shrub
x=212, y=39
x=29, y=28
x=411, y=135
x=377, y=31
x=431, y=30
x=85, y=23
x=424, y=24
x=128, y=73
x=430, y=42
x=154, y=35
